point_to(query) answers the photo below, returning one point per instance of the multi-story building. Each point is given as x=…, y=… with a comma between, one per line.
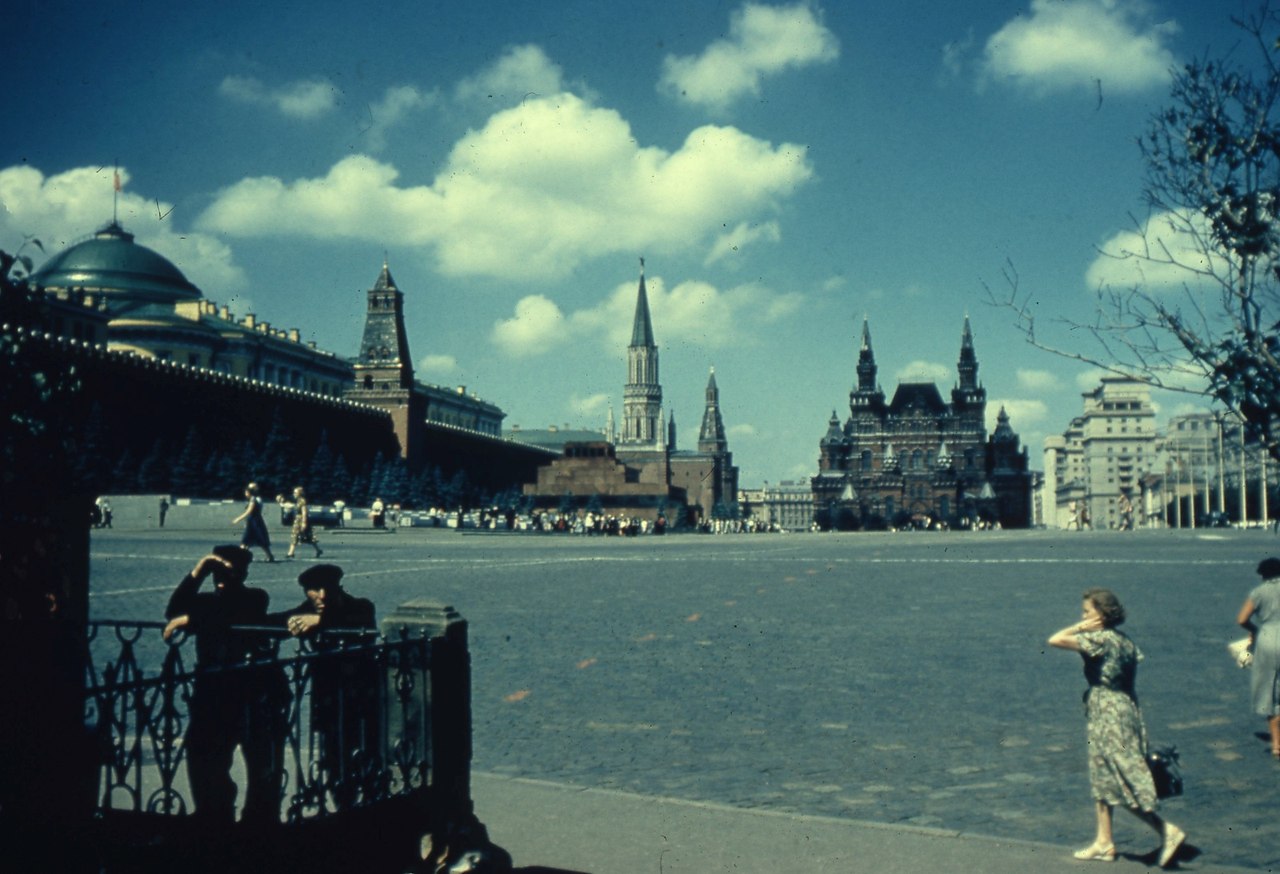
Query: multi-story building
x=151, y=310
x=787, y=505
x=1095, y=472
x=917, y=457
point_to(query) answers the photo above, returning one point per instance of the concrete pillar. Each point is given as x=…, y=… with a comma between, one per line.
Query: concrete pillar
x=436, y=718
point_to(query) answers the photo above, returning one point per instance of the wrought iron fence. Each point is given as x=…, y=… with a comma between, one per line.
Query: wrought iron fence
x=322, y=724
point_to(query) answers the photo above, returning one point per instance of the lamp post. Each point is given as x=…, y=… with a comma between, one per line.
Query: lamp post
x=1222, y=495
x=1244, y=482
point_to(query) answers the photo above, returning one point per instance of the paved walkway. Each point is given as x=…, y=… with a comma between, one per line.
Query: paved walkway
x=552, y=828
x=901, y=679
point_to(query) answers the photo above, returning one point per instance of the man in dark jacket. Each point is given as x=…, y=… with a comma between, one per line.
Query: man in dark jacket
x=346, y=686
x=233, y=703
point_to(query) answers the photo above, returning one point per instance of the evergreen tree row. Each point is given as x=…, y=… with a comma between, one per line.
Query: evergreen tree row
x=195, y=468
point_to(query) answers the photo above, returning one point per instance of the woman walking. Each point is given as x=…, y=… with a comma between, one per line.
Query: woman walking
x=1260, y=616
x=1117, y=737
x=301, y=531
x=255, y=527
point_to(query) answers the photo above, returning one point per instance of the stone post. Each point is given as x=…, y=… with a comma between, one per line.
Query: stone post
x=437, y=719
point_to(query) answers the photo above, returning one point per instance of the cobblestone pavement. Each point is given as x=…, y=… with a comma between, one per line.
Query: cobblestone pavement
x=892, y=678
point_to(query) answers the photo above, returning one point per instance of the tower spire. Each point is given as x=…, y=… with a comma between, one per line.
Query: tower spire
x=967, y=367
x=711, y=436
x=866, y=361
x=384, y=360
x=642, y=395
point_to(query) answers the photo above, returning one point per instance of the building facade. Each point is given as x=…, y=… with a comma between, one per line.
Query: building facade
x=917, y=458
x=1094, y=473
x=153, y=311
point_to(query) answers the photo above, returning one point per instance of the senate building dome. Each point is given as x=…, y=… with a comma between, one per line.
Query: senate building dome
x=110, y=265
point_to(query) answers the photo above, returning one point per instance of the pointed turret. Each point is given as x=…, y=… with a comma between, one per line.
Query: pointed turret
x=867, y=397
x=642, y=395
x=711, y=436
x=641, y=325
x=384, y=360
x=969, y=398
x=968, y=364
x=866, y=361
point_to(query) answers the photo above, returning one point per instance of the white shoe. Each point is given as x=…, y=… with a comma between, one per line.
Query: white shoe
x=1095, y=853
x=1173, y=838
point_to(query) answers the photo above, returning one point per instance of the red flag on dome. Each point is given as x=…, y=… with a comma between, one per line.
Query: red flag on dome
x=117, y=180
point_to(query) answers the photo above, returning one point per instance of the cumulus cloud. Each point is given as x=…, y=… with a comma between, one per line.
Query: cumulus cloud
x=398, y=102
x=1091, y=379
x=742, y=430
x=539, y=189
x=1023, y=414
x=1168, y=252
x=926, y=371
x=537, y=326
x=763, y=40
x=438, y=365
x=1097, y=44
x=1036, y=380
x=522, y=72
x=304, y=99
x=742, y=236
x=692, y=312
x=63, y=208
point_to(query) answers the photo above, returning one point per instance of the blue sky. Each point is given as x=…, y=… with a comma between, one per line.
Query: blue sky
x=785, y=169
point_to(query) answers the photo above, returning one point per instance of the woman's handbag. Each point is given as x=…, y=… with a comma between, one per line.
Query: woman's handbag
x=1240, y=651
x=1165, y=771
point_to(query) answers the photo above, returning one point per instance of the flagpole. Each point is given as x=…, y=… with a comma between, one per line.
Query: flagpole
x=115, y=194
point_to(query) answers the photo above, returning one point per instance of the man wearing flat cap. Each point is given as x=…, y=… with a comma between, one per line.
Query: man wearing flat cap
x=346, y=690
x=239, y=704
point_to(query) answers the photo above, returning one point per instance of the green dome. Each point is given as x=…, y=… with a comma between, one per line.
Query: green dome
x=110, y=263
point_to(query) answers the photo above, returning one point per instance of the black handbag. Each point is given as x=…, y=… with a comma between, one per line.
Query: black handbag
x=1165, y=771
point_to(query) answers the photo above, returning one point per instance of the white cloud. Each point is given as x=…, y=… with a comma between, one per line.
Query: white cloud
x=1091, y=379
x=438, y=365
x=1023, y=414
x=304, y=99
x=1170, y=251
x=742, y=236
x=536, y=327
x=539, y=189
x=1036, y=380
x=592, y=407
x=742, y=430
x=522, y=72
x=763, y=40
x=398, y=102
x=692, y=312
x=64, y=208
x=925, y=371
x=1109, y=45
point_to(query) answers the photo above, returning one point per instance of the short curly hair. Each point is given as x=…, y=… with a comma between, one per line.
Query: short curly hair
x=1269, y=568
x=1108, y=606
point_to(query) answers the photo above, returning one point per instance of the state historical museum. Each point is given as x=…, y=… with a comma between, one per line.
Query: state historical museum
x=918, y=460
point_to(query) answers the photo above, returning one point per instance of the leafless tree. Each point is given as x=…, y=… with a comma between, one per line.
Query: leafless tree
x=1198, y=308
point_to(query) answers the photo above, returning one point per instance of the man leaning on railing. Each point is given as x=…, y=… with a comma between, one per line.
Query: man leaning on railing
x=230, y=704
x=344, y=690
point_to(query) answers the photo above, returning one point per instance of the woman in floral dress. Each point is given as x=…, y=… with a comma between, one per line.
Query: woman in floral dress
x=302, y=531
x=1117, y=737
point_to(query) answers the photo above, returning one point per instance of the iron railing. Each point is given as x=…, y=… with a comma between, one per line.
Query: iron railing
x=328, y=724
